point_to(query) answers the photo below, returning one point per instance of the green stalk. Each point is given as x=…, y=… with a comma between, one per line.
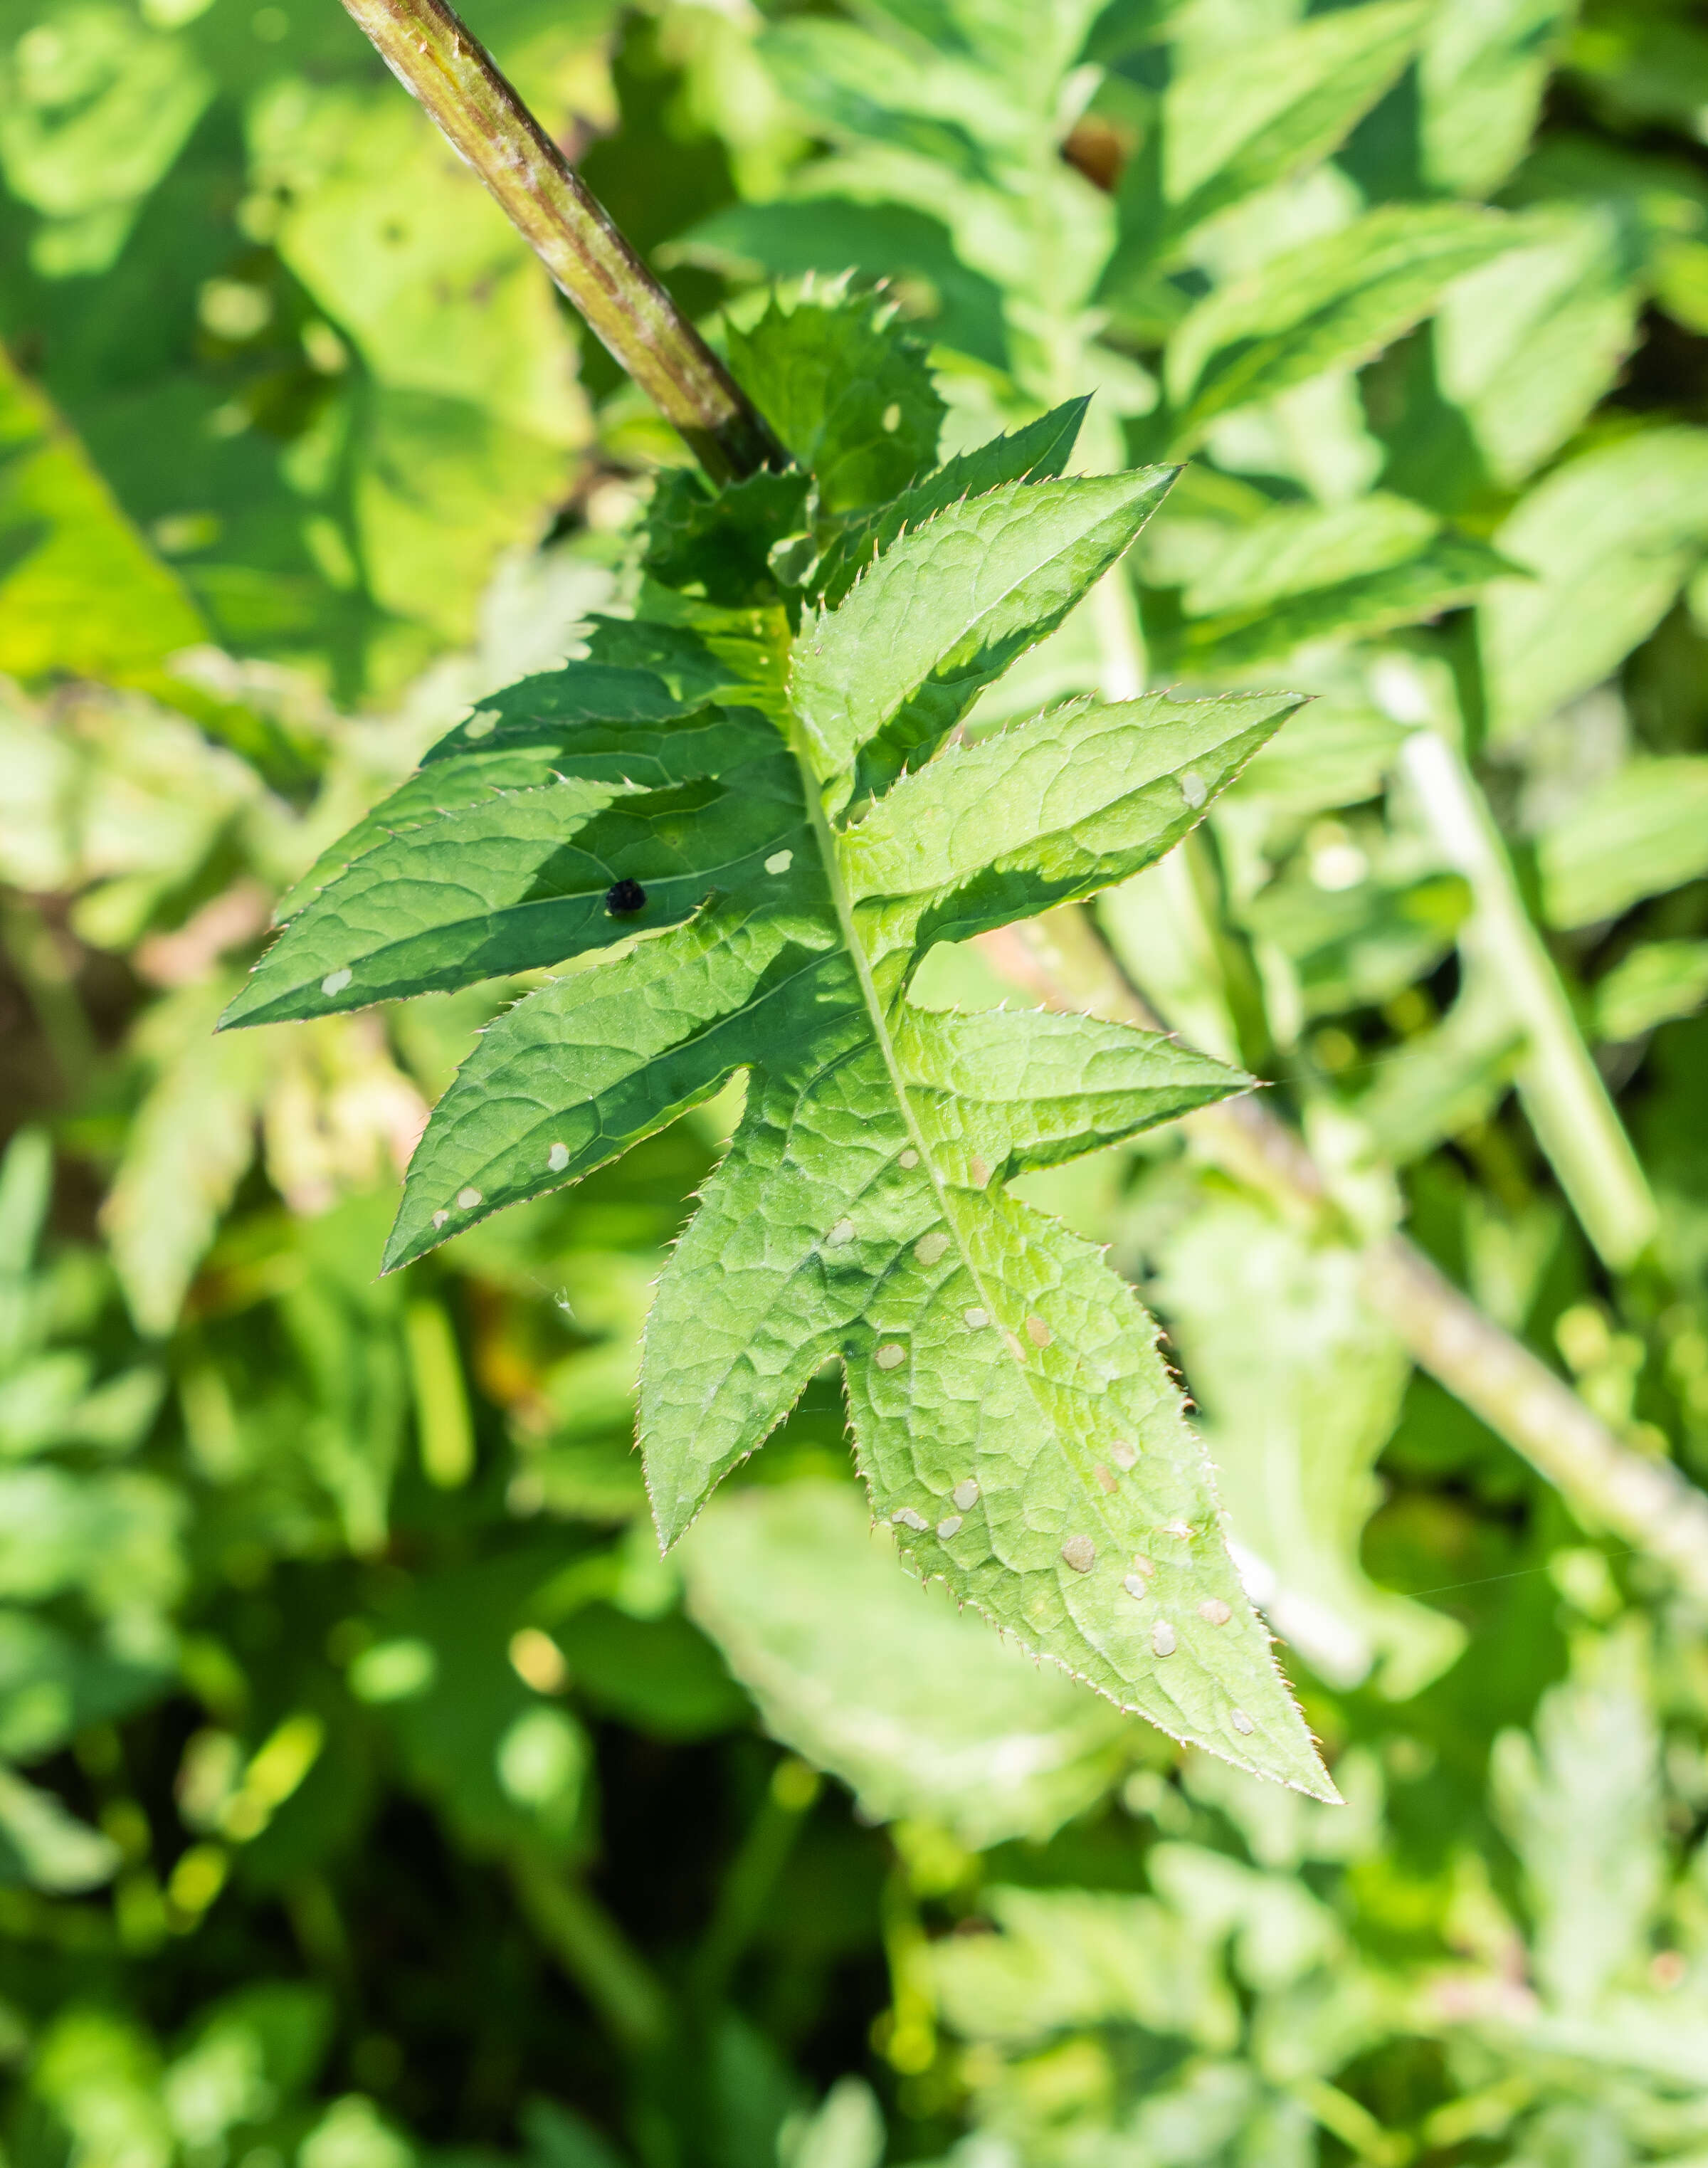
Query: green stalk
x=440, y=62
x=1575, y=1121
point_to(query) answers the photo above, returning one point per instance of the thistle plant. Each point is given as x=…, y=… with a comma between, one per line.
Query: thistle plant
x=753, y=808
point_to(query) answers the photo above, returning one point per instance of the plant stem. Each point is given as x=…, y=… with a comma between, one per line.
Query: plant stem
x=1575, y=1121
x=591, y=1948
x=1062, y=959
x=439, y=61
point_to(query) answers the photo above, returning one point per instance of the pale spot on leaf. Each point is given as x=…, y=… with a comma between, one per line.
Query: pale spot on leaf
x=890, y=1358
x=1193, y=788
x=966, y=1495
x=779, y=862
x=1178, y=1529
x=1124, y=1456
x=930, y=1247
x=336, y=981
x=1038, y=1332
x=440, y=1218
x=905, y=1517
x=910, y=1158
x=1080, y=1553
x=558, y=1158
x=1242, y=1723
x=978, y=1318
x=949, y=1526
x=1162, y=1638
x=891, y=418
x=842, y=1232
x=1105, y=1482
x=481, y=724
x=1015, y=1347
x=979, y=1171
x=1215, y=1611
x=467, y=1199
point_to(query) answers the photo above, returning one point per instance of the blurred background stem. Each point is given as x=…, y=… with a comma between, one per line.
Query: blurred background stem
x=1575, y=1121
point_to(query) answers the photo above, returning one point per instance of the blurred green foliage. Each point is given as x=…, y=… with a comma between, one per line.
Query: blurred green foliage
x=371, y=1793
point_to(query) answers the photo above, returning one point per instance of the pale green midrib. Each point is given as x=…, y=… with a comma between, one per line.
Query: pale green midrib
x=878, y=1020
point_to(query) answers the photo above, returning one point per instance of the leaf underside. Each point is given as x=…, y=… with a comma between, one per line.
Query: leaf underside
x=800, y=823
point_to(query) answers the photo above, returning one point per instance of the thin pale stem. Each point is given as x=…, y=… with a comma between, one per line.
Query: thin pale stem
x=1647, y=1503
x=440, y=62
x=1575, y=1121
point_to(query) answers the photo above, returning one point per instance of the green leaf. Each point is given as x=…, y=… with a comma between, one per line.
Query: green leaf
x=958, y=307
x=93, y=114
x=947, y=609
x=1642, y=832
x=1656, y=984
x=1480, y=81
x=1608, y=539
x=1526, y=346
x=1037, y=453
x=998, y=1375
x=524, y=878
x=1581, y=1805
x=1047, y=812
x=851, y=400
x=1331, y=304
x=776, y=1576
x=42, y=1845
x=1265, y=109
x=1451, y=572
x=719, y=543
x=80, y=592
x=189, y=1145
x=1301, y=1386
x=572, y=1077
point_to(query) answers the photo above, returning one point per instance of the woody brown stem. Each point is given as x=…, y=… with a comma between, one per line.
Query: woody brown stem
x=441, y=63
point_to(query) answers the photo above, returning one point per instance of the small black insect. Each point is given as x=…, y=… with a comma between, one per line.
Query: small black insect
x=624, y=898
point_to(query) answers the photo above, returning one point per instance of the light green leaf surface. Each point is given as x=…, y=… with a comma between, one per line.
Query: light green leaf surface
x=1331, y=304
x=1301, y=1387
x=1608, y=539
x=947, y=609
x=1642, y=832
x=1451, y=572
x=93, y=110
x=1038, y=452
x=1480, y=81
x=42, y=1845
x=1266, y=108
x=190, y=1144
x=775, y=1576
x=1526, y=346
x=1046, y=812
x=1580, y=1805
x=1655, y=983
